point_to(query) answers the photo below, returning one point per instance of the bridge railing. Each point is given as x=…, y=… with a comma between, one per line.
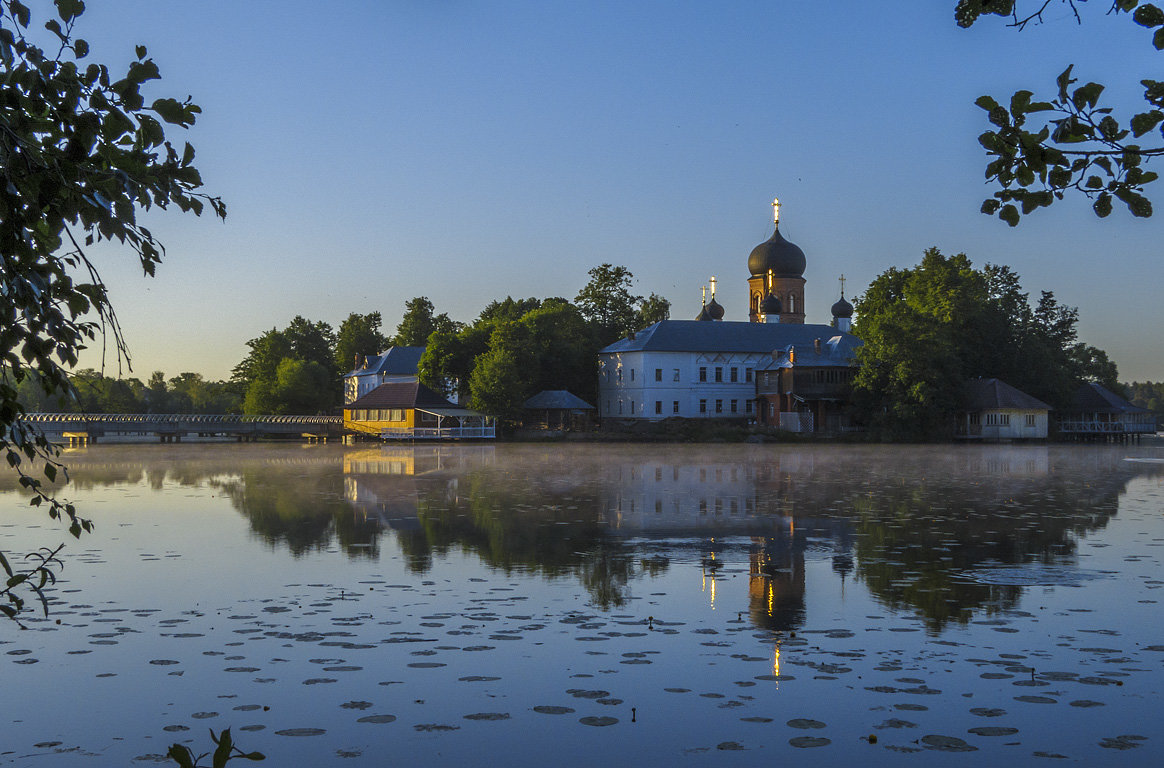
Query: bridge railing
x=120, y=419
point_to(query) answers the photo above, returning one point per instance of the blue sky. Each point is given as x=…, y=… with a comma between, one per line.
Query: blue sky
x=370, y=152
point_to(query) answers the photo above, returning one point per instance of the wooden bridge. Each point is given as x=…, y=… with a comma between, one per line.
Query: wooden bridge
x=80, y=428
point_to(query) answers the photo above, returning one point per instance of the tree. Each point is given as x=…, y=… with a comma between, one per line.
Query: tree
x=651, y=310
x=358, y=336
x=271, y=386
x=1072, y=142
x=607, y=302
x=419, y=323
x=928, y=329
x=81, y=153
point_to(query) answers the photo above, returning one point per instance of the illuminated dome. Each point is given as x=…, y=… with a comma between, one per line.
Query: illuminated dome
x=785, y=259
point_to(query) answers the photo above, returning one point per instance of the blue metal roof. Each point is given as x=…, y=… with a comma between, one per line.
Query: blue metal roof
x=557, y=399
x=696, y=336
x=400, y=361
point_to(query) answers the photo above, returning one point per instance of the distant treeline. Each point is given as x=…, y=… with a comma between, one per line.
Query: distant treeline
x=1147, y=394
x=512, y=350
x=96, y=393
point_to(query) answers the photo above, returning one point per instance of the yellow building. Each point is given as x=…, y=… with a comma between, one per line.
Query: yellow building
x=411, y=411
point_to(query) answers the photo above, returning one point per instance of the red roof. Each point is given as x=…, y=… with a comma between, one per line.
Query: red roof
x=400, y=394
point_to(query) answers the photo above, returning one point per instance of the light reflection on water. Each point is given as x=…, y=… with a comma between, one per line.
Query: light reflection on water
x=458, y=600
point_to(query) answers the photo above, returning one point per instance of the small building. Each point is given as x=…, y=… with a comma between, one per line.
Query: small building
x=1098, y=413
x=991, y=409
x=805, y=388
x=557, y=409
x=396, y=364
x=403, y=410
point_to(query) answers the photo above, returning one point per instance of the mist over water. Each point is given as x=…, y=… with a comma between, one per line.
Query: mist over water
x=508, y=604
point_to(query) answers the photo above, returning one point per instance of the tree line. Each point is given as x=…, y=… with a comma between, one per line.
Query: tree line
x=930, y=328
x=515, y=348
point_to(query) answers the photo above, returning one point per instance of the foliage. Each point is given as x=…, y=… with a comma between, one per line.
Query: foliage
x=651, y=310
x=1073, y=142
x=1147, y=394
x=607, y=302
x=290, y=371
x=358, y=336
x=225, y=751
x=80, y=154
x=419, y=323
x=515, y=349
x=928, y=329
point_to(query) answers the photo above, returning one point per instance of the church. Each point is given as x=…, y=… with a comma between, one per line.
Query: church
x=774, y=369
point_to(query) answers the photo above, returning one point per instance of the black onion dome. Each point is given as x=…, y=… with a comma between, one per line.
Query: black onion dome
x=842, y=308
x=771, y=305
x=703, y=313
x=785, y=259
x=714, y=310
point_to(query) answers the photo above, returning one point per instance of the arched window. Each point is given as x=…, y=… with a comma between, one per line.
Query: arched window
x=791, y=303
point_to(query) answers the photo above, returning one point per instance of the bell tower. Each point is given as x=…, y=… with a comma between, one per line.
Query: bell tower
x=776, y=267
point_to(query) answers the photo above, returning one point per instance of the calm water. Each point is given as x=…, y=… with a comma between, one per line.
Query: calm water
x=575, y=605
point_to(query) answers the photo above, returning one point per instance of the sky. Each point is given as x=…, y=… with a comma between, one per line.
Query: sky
x=370, y=151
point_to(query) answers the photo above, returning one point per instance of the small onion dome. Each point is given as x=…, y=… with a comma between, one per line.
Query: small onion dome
x=714, y=310
x=785, y=259
x=771, y=305
x=703, y=313
x=842, y=308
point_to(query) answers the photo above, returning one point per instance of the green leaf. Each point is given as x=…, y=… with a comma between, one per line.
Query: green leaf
x=69, y=9
x=1009, y=214
x=141, y=52
x=1145, y=121
x=1019, y=102
x=987, y=103
x=1102, y=205
x=222, y=752
x=173, y=111
x=181, y=755
x=999, y=117
x=1148, y=15
x=1086, y=95
x=1063, y=80
x=1158, y=39
x=990, y=206
x=80, y=48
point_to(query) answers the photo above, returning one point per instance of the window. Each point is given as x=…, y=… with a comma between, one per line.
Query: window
x=1030, y=419
x=674, y=406
x=702, y=373
x=703, y=406
x=718, y=374
x=748, y=375
x=608, y=406
x=632, y=374
x=632, y=411
x=658, y=406
x=998, y=419
x=747, y=406
x=397, y=415
x=733, y=406
x=674, y=374
x=735, y=375
x=975, y=418
x=618, y=375
x=719, y=406
x=620, y=407
x=658, y=374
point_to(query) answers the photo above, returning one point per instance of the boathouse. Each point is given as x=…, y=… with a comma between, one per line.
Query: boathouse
x=408, y=410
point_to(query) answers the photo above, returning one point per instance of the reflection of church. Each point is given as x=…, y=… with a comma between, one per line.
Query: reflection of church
x=774, y=369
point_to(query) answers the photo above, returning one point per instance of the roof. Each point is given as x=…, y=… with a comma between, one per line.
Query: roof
x=557, y=399
x=400, y=394
x=696, y=336
x=836, y=351
x=400, y=361
x=1096, y=398
x=994, y=394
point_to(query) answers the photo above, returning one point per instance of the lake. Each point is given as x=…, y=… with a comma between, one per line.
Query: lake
x=573, y=605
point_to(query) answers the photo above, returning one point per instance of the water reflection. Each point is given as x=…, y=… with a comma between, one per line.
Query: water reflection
x=921, y=530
